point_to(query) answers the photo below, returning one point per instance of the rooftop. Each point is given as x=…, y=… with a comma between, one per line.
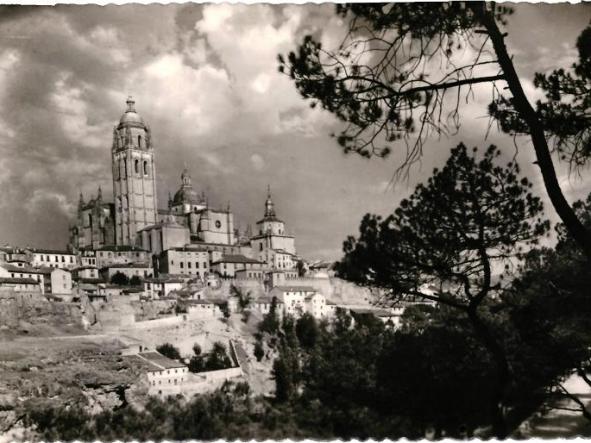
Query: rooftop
x=164, y=280
x=295, y=288
x=30, y=270
x=9, y=280
x=237, y=259
x=121, y=248
x=127, y=265
x=160, y=360
x=50, y=251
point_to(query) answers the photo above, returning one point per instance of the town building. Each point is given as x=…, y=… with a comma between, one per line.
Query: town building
x=53, y=259
x=130, y=270
x=190, y=260
x=56, y=281
x=228, y=265
x=10, y=271
x=155, y=288
x=19, y=284
x=165, y=376
x=87, y=272
x=109, y=255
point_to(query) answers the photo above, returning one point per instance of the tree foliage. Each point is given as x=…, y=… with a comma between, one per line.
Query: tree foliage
x=444, y=242
x=169, y=350
x=136, y=280
x=449, y=233
x=399, y=74
x=119, y=278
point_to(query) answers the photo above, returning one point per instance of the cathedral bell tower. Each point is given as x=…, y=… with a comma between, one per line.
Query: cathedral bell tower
x=134, y=176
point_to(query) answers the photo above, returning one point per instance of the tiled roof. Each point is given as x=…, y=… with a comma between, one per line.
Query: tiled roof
x=295, y=288
x=237, y=259
x=9, y=280
x=164, y=280
x=28, y=269
x=188, y=248
x=160, y=360
x=121, y=248
x=128, y=265
x=51, y=251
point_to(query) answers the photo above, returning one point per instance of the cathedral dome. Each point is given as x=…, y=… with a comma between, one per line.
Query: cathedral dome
x=131, y=117
x=186, y=193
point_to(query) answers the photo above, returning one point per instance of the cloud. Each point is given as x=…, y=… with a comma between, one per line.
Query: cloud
x=205, y=79
x=42, y=198
x=258, y=163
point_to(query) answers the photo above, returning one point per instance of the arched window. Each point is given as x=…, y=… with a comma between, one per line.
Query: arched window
x=125, y=166
x=260, y=246
x=136, y=166
x=139, y=141
x=145, y=167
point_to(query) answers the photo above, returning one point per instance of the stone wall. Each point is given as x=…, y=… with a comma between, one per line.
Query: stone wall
x=35, y=309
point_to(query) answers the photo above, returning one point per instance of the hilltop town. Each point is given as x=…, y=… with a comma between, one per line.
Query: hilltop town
x=135, y=277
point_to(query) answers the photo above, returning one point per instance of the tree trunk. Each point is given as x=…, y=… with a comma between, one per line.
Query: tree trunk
x=503, y=377
x=573, y=225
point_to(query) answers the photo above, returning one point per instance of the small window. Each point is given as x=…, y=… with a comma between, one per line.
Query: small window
x=136, y=166
x=139, y=141
x=145, y=167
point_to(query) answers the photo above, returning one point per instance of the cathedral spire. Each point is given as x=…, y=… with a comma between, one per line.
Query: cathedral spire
x=80, y=201
x=99, y=195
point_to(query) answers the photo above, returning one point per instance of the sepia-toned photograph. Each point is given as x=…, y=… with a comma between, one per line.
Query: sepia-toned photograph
x=293, y=221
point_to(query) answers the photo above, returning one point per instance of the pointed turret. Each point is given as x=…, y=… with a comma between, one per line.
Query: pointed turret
x=80, y=201
x=269, y=206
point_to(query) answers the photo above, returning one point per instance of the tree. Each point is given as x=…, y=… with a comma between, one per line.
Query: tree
x=259, y=352
x=196, y=364
x=136, y=280
x=399, y=73
x=119, y=278
x=169, y=350
x=301, y=267
x=551, y=312
x=244, y=299
x=270, y=322
x=469, y=219
x=307, y=330
x=196, y=349
x=217, y=358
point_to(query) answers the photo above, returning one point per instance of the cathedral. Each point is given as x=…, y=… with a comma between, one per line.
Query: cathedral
x=133, y=219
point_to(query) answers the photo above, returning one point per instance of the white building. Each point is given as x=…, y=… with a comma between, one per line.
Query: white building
x=141, y=270
x=165, y=376
x=53, y=259
x=297, y=300
x=155, y=288
x=228, y=265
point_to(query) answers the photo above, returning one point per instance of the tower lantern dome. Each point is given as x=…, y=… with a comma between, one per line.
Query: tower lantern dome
x=130, y=117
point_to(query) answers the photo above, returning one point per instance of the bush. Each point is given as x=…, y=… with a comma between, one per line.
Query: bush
x=119, y=278
x=196, y=349
x=170, y=351
x=259, y=352
x=196, y=364
x=136, y=280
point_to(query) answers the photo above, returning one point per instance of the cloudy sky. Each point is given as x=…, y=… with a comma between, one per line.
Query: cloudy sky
x=205, y=79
